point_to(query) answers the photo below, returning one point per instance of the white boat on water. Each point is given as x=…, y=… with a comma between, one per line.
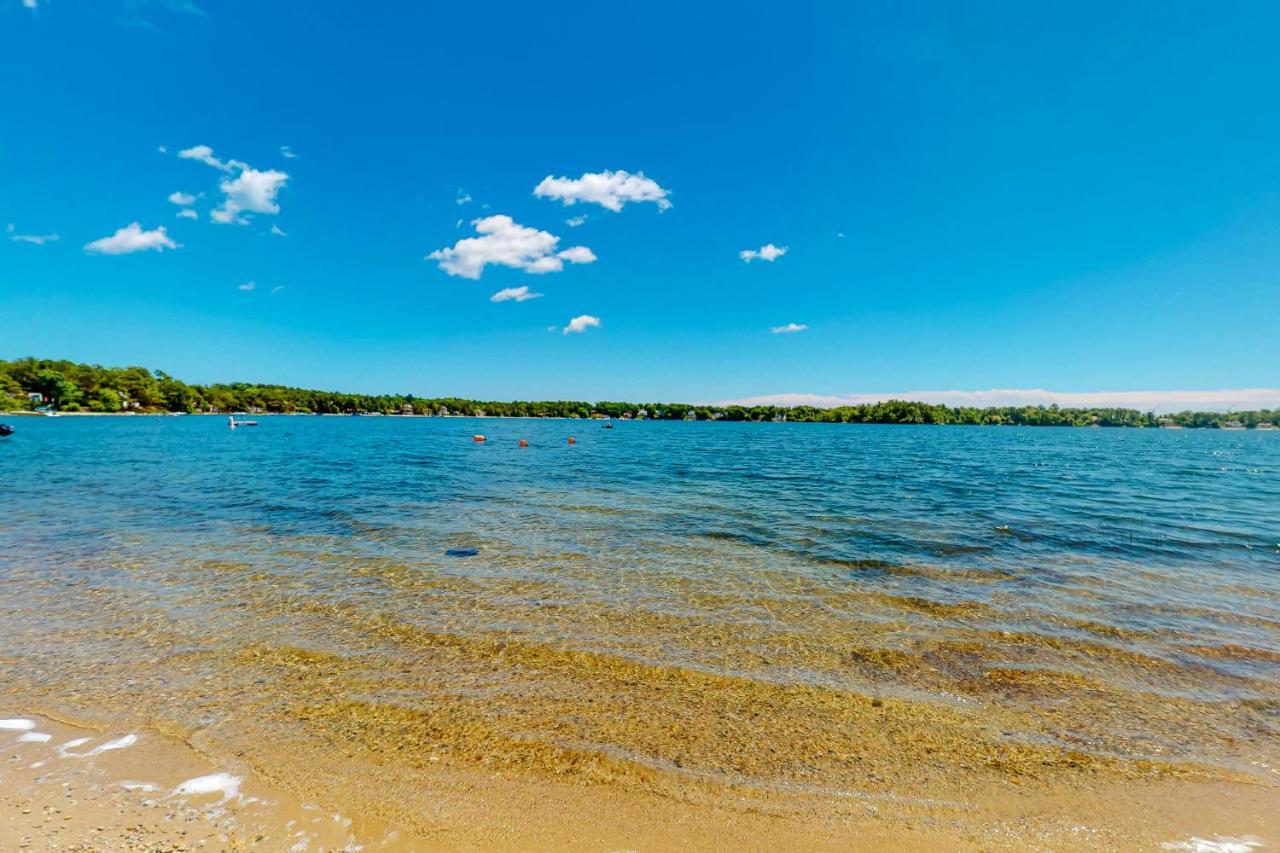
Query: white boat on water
x=233, y=422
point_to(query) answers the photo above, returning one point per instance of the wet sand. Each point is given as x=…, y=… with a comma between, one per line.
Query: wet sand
x=71, y=788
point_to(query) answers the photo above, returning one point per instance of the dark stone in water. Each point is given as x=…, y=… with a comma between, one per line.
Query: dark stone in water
x=462, y=552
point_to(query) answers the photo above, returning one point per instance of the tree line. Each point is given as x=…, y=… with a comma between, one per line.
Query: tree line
x=66, y=386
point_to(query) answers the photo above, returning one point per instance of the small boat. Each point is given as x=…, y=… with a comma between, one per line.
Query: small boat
x=5, y=430
x=608, y=425
x=234, y=422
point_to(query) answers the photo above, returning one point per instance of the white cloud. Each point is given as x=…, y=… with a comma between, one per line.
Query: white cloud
x=767, y=252
x=608, y=189
x=518, y=294
x=504, y=242
x=188, y=213
x=463, y=197
x=28, y=4
x=286, y=151
x=35, y=239
x=581, y=323
x=248, y=285
x=162, y=149
x=840, y=234
x=132, y=238
x=250, y=191
x=578, y=255
x=575, y=221
x=179, y=197
x=790, y=328
x=277, y=288
x=1224, y=399
x=277, y=230
x=204, y=154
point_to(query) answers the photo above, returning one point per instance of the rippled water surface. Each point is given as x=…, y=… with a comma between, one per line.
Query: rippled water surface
x=1049, y=597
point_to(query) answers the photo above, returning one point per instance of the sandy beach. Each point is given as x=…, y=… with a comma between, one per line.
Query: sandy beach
x=72, y=788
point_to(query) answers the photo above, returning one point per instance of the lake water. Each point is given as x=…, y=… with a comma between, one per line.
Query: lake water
x=678, y=607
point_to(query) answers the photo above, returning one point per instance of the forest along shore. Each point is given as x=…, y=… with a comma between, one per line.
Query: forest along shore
x=66, y=386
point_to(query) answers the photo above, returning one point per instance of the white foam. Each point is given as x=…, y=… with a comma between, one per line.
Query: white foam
x=119, y=743
x=17, y=725
x=1217, y=844
x=72, y=744
x=214, y=783
x=145, y=787
x=35, y=737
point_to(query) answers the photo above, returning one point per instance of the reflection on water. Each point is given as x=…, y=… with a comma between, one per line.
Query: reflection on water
x=679, y=606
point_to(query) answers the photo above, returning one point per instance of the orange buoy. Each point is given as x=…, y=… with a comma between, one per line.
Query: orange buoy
x=524, y=443
x=477, y=438
x=572, y=440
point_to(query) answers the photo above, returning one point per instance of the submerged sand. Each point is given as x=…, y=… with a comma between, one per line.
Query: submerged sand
x=671, y=732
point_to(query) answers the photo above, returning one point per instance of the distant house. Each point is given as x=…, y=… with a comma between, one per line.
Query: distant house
x=626, y=416
x=35, y=397
x=1265, y=425
x=406, y=409
x=691, y=415
x=1232, y=425
x=642, y=414
x=443, y=411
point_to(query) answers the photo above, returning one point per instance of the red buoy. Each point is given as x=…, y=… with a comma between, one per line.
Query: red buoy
x=572, y=440
x=477, y=438
x=524, y=443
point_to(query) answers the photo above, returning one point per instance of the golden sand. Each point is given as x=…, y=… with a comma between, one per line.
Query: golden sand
x=489, y=714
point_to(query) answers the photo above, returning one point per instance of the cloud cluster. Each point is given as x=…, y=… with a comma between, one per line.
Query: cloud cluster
x=767, y=252
x=131, y=238
x=180, y=198
x=504, y=242
x=245, y=189
x=790, y=328
x=517, y=294
x=581, y=323
x=611, y=190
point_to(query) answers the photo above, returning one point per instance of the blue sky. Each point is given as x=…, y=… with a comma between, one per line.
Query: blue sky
x=971, y=196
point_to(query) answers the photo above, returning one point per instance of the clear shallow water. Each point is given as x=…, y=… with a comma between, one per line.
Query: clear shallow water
x=1052, y=593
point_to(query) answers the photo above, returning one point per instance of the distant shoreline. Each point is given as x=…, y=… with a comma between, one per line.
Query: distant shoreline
x=26, y=413
x=68, y=387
